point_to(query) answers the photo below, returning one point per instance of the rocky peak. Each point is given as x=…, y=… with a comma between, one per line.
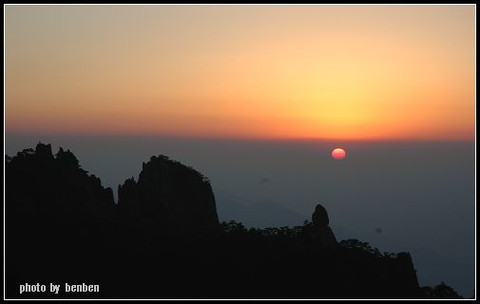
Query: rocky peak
x=54, y=187
x=44, y=151
x=321, y=229
x=173, y=197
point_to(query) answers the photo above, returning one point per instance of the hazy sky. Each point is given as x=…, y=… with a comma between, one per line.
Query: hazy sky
x=323, y=71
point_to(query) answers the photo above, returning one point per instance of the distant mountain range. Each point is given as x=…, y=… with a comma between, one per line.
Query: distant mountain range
x=258, y=213
x=164, y=240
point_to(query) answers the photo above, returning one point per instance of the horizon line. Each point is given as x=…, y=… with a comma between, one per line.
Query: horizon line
x=242, y=138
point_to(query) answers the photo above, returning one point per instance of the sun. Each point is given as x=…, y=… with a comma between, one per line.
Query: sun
x=339, y=153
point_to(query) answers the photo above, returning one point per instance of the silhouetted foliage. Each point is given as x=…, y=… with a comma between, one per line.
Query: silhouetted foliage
x=163, y=240
x=444, y=291
x=441, y=291
x=360, y=245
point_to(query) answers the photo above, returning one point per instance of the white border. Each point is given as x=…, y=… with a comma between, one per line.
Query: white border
x=213, y=4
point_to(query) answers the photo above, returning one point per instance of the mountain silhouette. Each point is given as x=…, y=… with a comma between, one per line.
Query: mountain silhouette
x=170, y=197
x=163, y=240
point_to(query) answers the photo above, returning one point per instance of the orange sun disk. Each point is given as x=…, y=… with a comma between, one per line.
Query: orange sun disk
x=338, y=153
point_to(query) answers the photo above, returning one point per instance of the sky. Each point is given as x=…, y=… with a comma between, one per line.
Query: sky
x=240, y=71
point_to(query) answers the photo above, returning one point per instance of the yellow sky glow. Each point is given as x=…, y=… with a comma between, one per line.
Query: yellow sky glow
x=315, y=71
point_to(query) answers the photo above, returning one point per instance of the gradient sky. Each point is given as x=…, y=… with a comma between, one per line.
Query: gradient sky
x=324, y=71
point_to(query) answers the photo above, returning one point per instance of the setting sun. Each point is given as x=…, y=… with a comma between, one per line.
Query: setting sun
x=338, y=153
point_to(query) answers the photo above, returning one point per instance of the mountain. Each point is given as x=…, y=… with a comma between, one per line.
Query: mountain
x=163, y=240
x=170, y=197
x=45, y=185
x=259, y=213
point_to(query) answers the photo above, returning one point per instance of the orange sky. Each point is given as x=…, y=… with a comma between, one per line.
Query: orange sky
x=314, y=71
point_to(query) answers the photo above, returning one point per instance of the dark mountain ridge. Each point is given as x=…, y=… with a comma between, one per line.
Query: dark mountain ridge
x=171, y=197
x=163, y=240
